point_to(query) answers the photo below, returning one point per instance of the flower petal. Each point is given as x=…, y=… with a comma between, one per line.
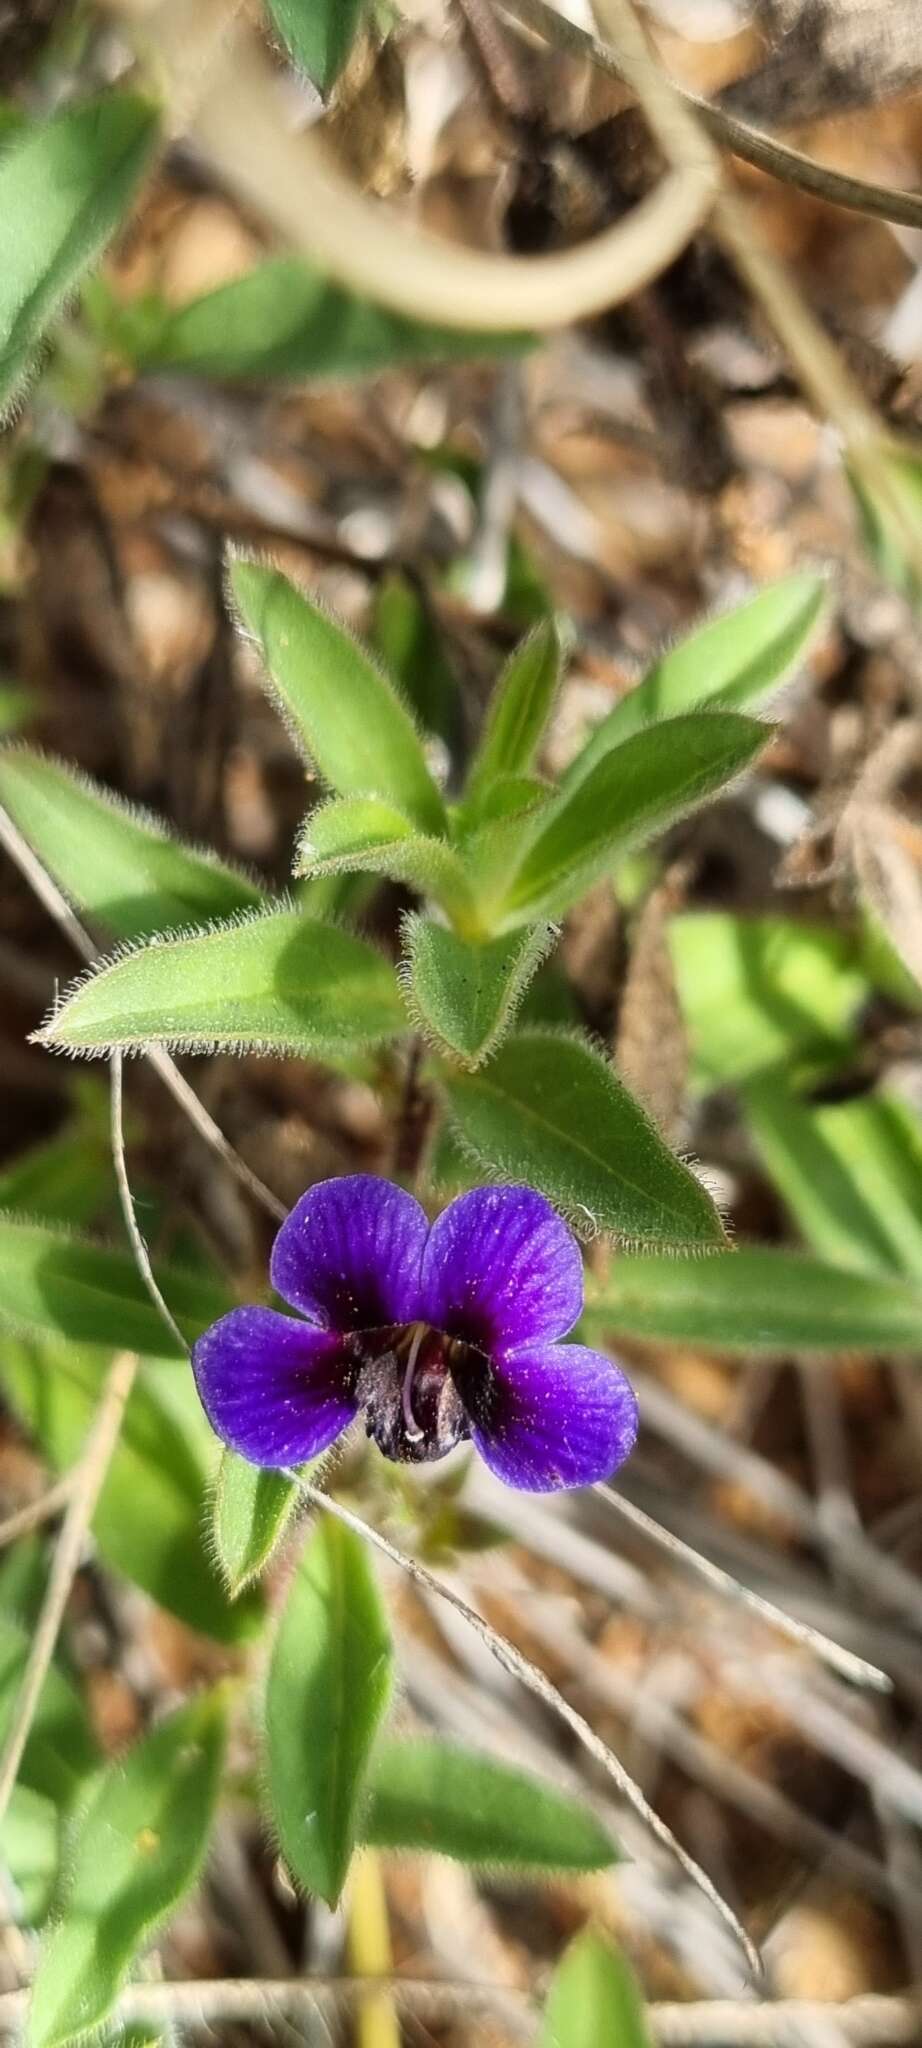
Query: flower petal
x=555, y=1415
x=501, y=1270
x=277, y=1391
x=349, y=1254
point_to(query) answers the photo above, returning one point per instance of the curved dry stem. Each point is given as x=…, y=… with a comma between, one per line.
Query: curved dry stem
x=752, y=145
x=291, y=181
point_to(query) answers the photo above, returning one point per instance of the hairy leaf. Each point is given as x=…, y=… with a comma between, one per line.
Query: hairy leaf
x=518, y=711
x=51, y=1282
x=329, y=1687
x=135, y=1851
x=760, y=1298
x=550, y=1111
x=429, y=1796
x=729, y=662
x=464, y=995
x=278, y=982
x=252, y=1509
x=115, y=863
x=342, y=711
x=635, y=790
x=65, y=183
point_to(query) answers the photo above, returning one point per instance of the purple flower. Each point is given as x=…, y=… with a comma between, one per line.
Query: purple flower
x=438, y=1334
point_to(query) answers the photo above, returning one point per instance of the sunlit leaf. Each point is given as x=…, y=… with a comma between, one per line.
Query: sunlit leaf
x=730, y=662
x=329, y=1687
x=463, y=995
x=65, y=183
x=134, y=1853
x=150, y=1523
x=635, y=791
x=53, y=1283
x=429, y=1796
x=760, y=1298
x=363, y=834
x=851, y=1173
x=277, y=982
x=594, y=1999
x=342, y=711
x=114, y=862
x=318, y=34
x=756, y=992
x=550, y=1111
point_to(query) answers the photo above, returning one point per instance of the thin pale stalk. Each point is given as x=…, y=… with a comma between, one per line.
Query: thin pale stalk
x=87, y=1484
x=512, y=1660
x=58, y=908
x=38, y=1511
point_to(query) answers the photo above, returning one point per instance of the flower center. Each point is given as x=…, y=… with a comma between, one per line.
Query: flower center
x=406, y=1384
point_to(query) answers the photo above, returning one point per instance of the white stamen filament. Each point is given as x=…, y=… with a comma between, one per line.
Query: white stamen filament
x=414, y=1433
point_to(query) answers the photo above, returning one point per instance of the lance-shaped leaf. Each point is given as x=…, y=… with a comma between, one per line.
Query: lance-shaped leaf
x=53, y=1283
x=756, y=1299
x=65, y=183
x=729, y=662
x=633, y=792
x=465, y=996
x=758, y=992
x=252, y=1509
x=518, y=710
x=319, y=34
x=341, y=710
x=442, y=1801
x=360, y=834
x=287, y=320
x=594, y=1998
x=135, y=1851
x=60, y=1749
x=150, y=1522
x=115, y=863
x=329, y=1687
x=550, y=1111
x=274, y=983
x=851, y=1173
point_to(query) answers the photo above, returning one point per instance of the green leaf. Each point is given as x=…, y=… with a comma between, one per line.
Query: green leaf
x=850, y=1172
x=429, y=1796
x=29, y=1847
x=252, y=1509
x=519, y=710
x=136, y=1850
x=329, y=1687
x=594, y=1999
x=633, y=792
x=344, y=714
x=70, y=1178
x=550, y=1111
x=756, y=992
x=891, y=519
x=115, y=862
x=51, y=1282
x=16, y=708
x=318, y=34
x=286, y=320
x=408, y=638
x=731, y=661
x=278, y=982
x=756, y=1299
x=60, y=1749
x=150, y=1522
x=465, y=996
x=355, y=834
x=65, y=183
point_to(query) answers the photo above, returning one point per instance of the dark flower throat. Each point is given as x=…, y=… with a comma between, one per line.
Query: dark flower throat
x=407, y=1383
